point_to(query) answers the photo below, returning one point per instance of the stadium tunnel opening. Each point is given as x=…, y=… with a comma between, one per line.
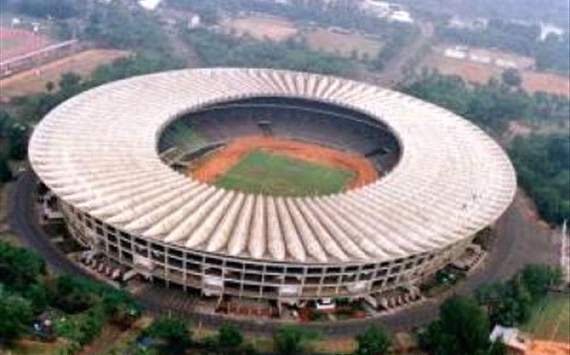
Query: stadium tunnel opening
x=205, y=131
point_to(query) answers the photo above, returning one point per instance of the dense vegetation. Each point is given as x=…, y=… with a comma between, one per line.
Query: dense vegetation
x=12, y=137
x=543, y=169
x=464, y=323
x=510, y=303
x=492, y=105
x=217, y=49
x=542, y=162
x=524, y=39
x=117, y=26
x=79, y=307
x=61, y=9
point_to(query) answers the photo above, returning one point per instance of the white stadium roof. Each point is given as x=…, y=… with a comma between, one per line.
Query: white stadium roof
x=98, y=152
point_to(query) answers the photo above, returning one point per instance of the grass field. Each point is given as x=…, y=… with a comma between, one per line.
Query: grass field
x=343, y=44
x=262, y=27
x=280, y=175
x=551, y=319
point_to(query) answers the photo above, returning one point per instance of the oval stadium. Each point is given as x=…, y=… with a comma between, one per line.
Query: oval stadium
x=269, y=184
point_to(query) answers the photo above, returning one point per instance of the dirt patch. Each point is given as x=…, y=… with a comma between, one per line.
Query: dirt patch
x=548, y=348
x=213, y=166
x=343, y=44
x=262, y=27
x=15, y=42
x=551, y=83
x=481, y=73
x=34, y=80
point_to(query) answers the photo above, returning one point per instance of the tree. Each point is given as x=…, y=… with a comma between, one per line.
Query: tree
x=462, y=328
x=74, y=295
x=16, y=317
x=5, y=172
x=69, y=82
x=374, y=341
x=512, y=77
x=19, y=267
x=229, y=336
x=539, y=278
x=50, y=86
x=173, y=333
x=291, y=339
x=498, y=348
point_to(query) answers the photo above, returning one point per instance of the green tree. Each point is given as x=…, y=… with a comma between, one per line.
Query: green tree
x=462, y=328
x=5, y=172
x=15, y=317
x=539, y=278
x=512, y=77
x=19, y=267
x=229, y=336
x=173, y=334
x=374, y=341
x=292, y=339
x=69, y=82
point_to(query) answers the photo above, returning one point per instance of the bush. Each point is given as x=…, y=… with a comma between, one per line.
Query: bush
x=229, y=336
x=291, y=339
x=374, y=341
x=16, y=317
x=462, y=328
x=173, y=334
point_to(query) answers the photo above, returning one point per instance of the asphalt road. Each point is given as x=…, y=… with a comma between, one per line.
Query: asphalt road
x=520, y=241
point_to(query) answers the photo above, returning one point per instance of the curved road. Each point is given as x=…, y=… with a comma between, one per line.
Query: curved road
x=520, y=241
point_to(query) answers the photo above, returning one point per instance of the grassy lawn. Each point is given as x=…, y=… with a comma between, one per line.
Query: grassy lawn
x=343, y=44
x=274, y=174
x=551, y=319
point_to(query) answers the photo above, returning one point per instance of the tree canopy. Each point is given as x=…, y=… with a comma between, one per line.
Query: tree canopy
x=289, y=340
x=173, y=334
x=462, y=328
x=374, y=341
x=223, y=50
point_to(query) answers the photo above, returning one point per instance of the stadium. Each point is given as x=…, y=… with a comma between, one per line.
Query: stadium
x=269, y=184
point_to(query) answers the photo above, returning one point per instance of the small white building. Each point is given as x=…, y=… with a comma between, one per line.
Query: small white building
x=514, y=339
x=477, y=58
x=547, y=29
x=455, y=53
x=194, y=21
x=401, y=16
x=390, y=11
x=149, y=4
x=504, y=63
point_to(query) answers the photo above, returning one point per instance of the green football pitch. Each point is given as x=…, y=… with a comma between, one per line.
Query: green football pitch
x=280, y=175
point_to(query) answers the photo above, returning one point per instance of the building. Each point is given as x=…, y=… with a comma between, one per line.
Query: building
x=103, y=154
x=386, y=10
x=150, y=5
x=515, y=341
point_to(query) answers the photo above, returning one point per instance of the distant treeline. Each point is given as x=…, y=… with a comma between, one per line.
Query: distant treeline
x=216, y=49
x=491, y=105
x=543, y=169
